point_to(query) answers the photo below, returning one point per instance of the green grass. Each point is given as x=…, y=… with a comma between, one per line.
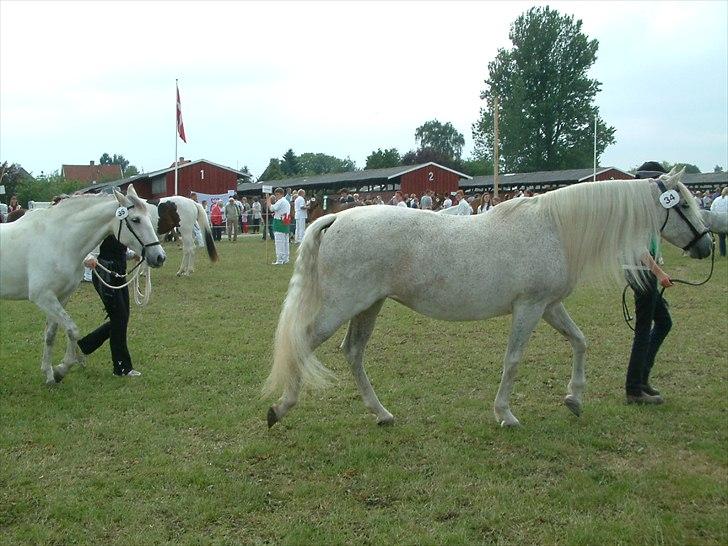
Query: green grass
x=183, y=454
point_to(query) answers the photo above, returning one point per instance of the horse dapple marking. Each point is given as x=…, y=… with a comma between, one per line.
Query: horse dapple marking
x=42, y=258
x=523, y=258
x=189, y=212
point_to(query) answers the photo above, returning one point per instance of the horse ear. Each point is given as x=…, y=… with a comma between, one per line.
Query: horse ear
x=132, y=196
x=121, y=199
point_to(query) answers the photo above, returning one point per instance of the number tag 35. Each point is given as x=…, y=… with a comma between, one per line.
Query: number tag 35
x=122, y=212
x=669, y=199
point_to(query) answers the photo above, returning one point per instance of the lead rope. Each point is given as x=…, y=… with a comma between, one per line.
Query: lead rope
x=625, y=309
x=140, y=297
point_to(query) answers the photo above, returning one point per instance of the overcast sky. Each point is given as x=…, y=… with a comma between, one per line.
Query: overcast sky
x=78, y=79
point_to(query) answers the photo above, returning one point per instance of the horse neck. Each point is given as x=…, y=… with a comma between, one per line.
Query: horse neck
x=90, y=225
x=603, y=225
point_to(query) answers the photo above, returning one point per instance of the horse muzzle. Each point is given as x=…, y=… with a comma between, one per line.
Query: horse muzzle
x=155, y=258
x=702, y=248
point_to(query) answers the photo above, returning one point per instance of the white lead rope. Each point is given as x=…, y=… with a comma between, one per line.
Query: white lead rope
x=140, y=298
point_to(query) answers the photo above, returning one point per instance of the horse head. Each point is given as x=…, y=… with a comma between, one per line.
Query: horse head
x=683, y=225
x=135, y=229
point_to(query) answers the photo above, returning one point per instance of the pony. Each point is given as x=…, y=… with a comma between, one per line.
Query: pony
x=17, y=214
x=188, y=212
x=42, y=258
x=523, y=258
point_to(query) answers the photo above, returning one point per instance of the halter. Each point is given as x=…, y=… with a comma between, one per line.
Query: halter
x=125, y=219
x=697, y=235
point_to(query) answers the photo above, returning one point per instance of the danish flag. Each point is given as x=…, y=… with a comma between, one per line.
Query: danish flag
x=180, y=124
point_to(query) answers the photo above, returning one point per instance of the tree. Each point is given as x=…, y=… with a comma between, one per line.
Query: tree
x=289, y=164
x=45, y=187
x=689, y=168
x=443, y=138
x=120, y=160
x=427, y=155
x=11, y=175
x=717, y=169
x=477, y=166
x=273, y=171
x=381, y=159
x=546, y=100
x=318, y=163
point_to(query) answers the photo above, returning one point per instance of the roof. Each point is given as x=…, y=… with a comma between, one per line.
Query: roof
x=568, y=176
x=91, y=173
x=160, y=172
x=346, y=177
x=715, y=179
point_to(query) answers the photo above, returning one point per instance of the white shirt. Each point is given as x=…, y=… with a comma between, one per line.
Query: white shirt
x=720, y=204
x=281, y=208
x=402, y=204
x=464, y=208
x=300, y=205
x=447, y=203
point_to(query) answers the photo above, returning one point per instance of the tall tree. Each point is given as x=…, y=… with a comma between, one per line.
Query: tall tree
x=426, y=155
x=546, y=100
x=381, y=159
x=272, y=171
x=443, y=138
x=717, y=169
x=120, y=160
x=289, y=164
x=318, y=163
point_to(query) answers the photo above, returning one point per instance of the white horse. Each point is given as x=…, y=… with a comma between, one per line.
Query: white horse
x=189, y=212
x=523, y=258
x=43, y=252
x=717, y=222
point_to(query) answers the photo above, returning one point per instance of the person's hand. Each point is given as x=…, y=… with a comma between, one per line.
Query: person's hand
x=665, y=280
x=90, y=263
x=136, y=258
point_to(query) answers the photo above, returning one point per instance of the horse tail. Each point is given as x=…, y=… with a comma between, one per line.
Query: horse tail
x=294, y=363
x=205, y=227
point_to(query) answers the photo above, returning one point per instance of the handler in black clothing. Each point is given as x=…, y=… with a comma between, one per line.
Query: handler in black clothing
x=652, y=317
x=113, y=256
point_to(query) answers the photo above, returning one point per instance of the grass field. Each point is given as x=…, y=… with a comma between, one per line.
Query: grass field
x=183, y=454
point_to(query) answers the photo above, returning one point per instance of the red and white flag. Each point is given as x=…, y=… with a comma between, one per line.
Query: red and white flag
x=180, y=124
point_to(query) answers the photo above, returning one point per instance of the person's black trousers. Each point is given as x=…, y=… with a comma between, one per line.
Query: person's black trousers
x=116, y=303
x=652, y=324
x=721, y=244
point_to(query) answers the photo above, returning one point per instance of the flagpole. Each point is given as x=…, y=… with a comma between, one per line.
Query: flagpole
x=595, y=149
x=176, y=131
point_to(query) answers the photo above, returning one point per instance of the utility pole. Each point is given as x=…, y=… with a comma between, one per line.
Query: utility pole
x=495, y=146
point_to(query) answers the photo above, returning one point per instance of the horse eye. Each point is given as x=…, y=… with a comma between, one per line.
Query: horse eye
x=136, y=220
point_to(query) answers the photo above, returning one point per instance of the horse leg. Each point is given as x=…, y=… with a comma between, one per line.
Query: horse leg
x=525, y=319
x=49, y=337
x=559, y=319
x=324, y=327
x=360, y=329
x=57, y=315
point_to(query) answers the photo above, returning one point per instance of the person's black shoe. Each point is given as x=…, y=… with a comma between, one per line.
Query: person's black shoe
x=645, y=399
x=649, y=389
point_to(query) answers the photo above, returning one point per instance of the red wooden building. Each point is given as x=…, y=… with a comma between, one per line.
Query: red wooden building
x=201, y=176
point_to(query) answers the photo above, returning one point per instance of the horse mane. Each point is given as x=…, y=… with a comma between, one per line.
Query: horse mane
x=603, y=226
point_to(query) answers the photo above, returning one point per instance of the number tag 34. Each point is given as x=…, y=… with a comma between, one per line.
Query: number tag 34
x=669, y=199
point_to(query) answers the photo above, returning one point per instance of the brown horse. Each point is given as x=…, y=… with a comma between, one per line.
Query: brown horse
x=15, y=215
x=316, y=211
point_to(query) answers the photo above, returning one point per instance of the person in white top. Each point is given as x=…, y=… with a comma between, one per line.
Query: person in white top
x=301, y=209
x=720, y=206
x=464, y=208
x=447, y=203
x=281, y=210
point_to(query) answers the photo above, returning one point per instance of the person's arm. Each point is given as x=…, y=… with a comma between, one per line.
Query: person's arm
x=662, y=277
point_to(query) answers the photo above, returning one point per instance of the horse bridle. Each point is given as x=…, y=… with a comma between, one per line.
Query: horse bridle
x=128, y=226
x=697, y=235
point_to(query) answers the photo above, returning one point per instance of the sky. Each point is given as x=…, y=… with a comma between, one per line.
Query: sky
x=78, y=79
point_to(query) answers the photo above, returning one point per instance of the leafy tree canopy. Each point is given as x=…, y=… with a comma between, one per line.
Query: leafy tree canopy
x=318, y=163
x=546, y=99
x=45, y=187
x=381, y=159
x=717, y=169
x=425, y=155
x=289, y=164
x=126, y=169
x=273, y=171
x=11, y=175
x=443, y=138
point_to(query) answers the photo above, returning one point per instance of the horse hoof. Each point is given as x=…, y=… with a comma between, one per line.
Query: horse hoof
x=510, y=424
x=573, y=404
x=57, y=377
x=272, y=417
x=385, y=421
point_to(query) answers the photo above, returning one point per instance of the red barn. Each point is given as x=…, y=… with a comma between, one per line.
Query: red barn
x=192, y=176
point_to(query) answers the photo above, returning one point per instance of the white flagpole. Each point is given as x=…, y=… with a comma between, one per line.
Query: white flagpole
x=176, y=132
x=595, y=148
